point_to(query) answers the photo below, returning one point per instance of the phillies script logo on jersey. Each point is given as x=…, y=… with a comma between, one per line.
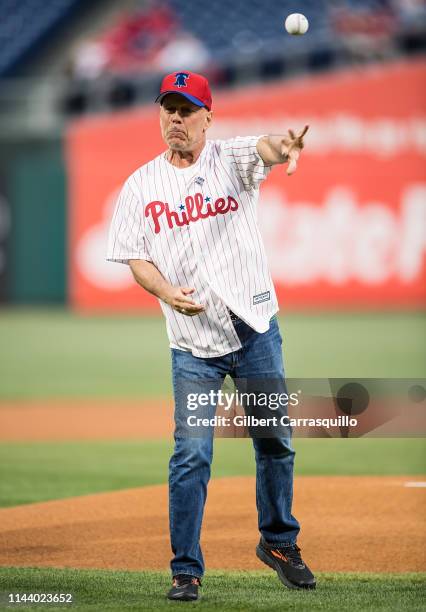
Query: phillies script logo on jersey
x=195, y=208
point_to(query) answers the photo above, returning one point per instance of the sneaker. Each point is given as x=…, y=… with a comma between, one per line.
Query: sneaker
x=184, y=588
x=288, y=564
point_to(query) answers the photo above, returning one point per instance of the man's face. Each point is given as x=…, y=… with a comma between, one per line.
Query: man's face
x=183, y=124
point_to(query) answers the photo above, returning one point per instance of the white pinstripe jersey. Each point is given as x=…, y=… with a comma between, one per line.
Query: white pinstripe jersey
x=198, y=226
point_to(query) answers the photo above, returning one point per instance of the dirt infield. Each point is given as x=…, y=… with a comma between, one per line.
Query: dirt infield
x=349, y=524
x=85, y=420
x=106, y=419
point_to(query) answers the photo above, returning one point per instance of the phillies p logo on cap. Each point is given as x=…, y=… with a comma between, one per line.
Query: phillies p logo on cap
x=194, y=87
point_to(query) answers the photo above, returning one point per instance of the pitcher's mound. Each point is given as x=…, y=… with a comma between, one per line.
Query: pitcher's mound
x=349, y=524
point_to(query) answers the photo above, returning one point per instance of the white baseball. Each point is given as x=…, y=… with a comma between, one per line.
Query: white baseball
x=296, y=24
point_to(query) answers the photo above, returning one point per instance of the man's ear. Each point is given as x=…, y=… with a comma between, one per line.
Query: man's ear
x=209, y=117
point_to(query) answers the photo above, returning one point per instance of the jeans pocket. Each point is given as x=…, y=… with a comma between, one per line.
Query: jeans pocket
x=276, y=328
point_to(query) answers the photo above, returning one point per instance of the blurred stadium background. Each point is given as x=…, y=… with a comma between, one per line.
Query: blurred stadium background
x=346, y=235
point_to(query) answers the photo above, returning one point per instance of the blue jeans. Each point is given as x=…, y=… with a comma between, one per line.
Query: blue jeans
x=189, y=468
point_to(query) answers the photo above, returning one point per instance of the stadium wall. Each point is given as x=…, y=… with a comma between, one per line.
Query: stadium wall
x=32, y=221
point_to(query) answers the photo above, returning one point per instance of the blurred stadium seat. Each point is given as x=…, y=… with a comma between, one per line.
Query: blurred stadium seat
x=115, y=58
x=224, y=26
x=245, y=41
x=25, y=23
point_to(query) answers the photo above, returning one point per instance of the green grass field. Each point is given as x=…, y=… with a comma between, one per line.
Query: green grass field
x=50, y=353
x=101, y=590
x=31, y=472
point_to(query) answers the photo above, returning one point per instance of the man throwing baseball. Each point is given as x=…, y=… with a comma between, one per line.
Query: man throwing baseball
x=186, y=225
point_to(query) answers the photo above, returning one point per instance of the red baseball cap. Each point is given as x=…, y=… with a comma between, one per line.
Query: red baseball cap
x=194, y=87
